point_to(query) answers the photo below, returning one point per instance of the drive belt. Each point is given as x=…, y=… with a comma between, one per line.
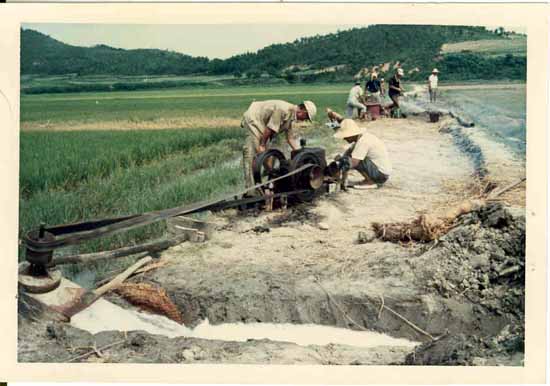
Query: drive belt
x=70, y=234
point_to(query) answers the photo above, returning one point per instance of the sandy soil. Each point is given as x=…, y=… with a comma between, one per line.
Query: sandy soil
x=304, y=265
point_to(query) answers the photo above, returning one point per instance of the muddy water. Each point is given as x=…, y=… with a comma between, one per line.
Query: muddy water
x=106, y=316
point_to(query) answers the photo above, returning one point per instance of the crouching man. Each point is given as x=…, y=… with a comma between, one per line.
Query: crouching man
x=264, y=121
x=367, y=155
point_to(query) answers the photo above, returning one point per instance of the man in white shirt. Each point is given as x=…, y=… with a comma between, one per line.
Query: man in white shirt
x=432, y=85
x=355, y=100
x=367, y=154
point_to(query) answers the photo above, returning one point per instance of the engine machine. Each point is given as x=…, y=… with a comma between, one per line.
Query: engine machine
x=302, y=186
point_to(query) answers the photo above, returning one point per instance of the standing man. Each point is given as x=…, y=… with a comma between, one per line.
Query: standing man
x=367, y=155
x=265, y=120
x=395, y=89
x=373, y=87
x=355, y=101
x=432, y=85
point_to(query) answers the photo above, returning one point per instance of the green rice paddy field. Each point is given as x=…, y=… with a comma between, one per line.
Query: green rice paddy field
x=69, y=175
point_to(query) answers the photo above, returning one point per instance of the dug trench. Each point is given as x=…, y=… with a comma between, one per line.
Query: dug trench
x=460, y=296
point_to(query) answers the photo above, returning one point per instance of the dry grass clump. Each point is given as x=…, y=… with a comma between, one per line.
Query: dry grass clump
x=473, y=195
x=425, y=227
x=150, y=298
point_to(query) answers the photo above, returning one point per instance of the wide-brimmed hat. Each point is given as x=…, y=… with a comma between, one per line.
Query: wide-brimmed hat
x=435, y=70
x=311, y=109
x=348, y=128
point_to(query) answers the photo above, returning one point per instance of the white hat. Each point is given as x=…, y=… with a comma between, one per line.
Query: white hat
x=435, y=70
x=400, y=71
x=348, y=128
x=311, y=109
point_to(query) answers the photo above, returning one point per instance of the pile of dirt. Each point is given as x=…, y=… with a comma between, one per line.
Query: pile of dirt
x=483, y=260
x=506, y=349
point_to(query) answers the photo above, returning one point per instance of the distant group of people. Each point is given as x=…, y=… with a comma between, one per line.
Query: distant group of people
x=375, y=91
x=264, y=120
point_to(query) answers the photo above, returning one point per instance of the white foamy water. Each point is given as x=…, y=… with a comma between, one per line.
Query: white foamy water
x=106, y=316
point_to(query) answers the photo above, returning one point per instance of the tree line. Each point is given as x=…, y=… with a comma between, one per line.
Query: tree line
x=412, y=45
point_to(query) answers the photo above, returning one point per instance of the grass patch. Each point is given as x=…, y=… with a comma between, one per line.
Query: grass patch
x=516, y=45
x=229, y=102
x=61, y=160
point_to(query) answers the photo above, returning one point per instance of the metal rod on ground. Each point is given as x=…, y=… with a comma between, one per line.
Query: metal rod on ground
x=149, y=247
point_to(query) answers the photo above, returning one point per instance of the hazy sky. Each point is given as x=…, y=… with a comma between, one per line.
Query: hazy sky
x=213, y=41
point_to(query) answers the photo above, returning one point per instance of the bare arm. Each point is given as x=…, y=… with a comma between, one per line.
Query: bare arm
x=265, y=138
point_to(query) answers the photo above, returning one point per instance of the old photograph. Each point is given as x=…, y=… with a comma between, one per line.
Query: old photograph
x=322, y=194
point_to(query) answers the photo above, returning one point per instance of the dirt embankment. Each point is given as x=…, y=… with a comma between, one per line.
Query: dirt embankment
x=462, y=296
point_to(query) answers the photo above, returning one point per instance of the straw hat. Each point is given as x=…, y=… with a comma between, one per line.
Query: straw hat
x=435, y=70
x=311, y=109
x=348, y=128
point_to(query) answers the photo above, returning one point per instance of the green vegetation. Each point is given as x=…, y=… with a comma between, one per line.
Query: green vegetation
x=71, y=83
x=515, y=45
x=44, y=55
x=229, y=102
x=329, y=58
x=468, y=65
x=52, y=160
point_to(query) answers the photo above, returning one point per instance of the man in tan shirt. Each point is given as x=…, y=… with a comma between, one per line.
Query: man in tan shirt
x=266, y=119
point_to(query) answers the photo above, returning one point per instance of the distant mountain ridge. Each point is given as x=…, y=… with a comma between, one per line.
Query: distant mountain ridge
x=41, y=54
x=331, y=56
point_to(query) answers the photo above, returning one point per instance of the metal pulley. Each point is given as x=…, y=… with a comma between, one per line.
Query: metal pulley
x=34, y=274
x=301, y=186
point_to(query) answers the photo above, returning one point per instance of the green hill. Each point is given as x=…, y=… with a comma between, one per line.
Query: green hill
x=333, y=57
x=41, y=54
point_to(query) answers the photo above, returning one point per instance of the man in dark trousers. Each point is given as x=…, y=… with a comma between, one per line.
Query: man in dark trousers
x=373, y=89
x=395, y=90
